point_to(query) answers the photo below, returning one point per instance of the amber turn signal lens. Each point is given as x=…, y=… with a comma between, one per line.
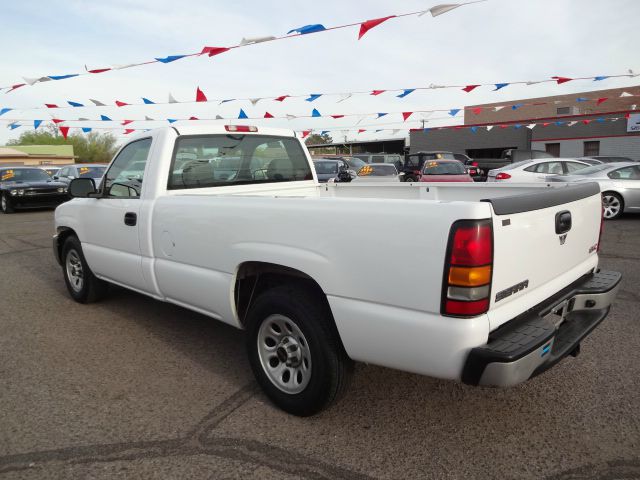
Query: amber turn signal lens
x=470, y=276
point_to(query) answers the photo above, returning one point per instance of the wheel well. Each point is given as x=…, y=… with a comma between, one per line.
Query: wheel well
x=63, y=234
x=253, y=278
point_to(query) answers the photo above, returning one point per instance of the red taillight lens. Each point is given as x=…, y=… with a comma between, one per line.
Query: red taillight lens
x=240, y=128
x=468, y=269
x=472, y=245
x=475, y=164
x=503, y=176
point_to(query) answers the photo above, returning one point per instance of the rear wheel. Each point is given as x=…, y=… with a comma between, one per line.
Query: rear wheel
x=612, y=204
x=5, y=204
x=294, y=350
x=82, y=284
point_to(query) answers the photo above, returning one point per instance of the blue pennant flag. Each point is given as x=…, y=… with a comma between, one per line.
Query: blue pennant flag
x=582, y=99
x=323, y=132
x=517, y=126
x=74, y=104
x=5, y=110
x=406, y=92
x=600, y=119
x=171, y=120
x=242, y=114
x=313, y=96
x=170, y=58
x=559, y=123
x=86, y=129
x=516, y=106
x=315, y=113
x=381, y=114
x=499, y=86
x=13, y=126
x=104, y=118
x=308, y=29
x=597, y=79
x=36, y=124
x=62, y=77
x=474, y=129
x=147, y=101
x=454, y=111
x=425, y=130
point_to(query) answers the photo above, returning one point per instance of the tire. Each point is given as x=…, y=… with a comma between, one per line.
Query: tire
x=308, y=347
x=5, y=204
x=82, y=284
x=613, y=205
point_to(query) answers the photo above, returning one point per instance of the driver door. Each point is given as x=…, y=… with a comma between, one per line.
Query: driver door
x=111, y=244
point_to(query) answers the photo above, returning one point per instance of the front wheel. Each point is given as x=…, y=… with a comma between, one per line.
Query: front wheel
x=612, y=204
x=5, y=204
x=294, y=350
x=82, y=284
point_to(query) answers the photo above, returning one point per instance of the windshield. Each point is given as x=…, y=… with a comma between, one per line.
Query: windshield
x=355, y=163
x=443, y=168
x=378, y=170
x=91, y=172
x=326, y=168
x=590, y=170
x=24, y=175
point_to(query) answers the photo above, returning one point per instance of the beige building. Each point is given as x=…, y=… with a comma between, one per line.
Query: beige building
x=37, y=155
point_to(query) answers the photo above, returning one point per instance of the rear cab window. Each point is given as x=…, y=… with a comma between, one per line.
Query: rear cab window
x=201, y=161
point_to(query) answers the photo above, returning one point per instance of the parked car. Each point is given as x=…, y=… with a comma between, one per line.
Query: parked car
x=51, y=170
x=474, y=172
x=619, y=183
x=413, y=163
x=535, y=170
x=274, y=256
x=80, y=170
x=378, y=172
x=393, y=158
x=444, y=171
x=327, y=169
x=609, y=159
x=29, y=187
x=354, y=163
x=508, y=156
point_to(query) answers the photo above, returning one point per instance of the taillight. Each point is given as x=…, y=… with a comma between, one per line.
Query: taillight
x=503, y=176
x=468, y=269
x=240, y=128
x=475, y=164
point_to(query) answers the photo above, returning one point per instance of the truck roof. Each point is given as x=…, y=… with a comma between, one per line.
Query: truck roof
x=217, y=129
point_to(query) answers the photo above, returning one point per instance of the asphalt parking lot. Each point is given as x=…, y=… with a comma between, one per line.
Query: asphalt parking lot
x=134, y=388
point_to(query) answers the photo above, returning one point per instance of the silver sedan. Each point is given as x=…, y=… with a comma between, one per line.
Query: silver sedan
x=619, y=184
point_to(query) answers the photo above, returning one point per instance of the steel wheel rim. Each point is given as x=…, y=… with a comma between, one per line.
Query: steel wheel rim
x=611, y=206
x=75, y=273
x=4, y=203
x=284, y=354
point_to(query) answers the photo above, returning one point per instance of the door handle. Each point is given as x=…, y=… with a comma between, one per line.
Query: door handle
x=130, y=219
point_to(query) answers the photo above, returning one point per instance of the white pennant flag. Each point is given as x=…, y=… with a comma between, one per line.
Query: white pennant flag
x=31, y=81
x=489, y=128
x=147, y=118
x=440, y=9
x=615, y=119
x=218, y=117
x=344, y=97
x=291, y=117
x=172, y=100
x=571, y=124
x=97, y=103
x=122, y=67
x=626, y=94
x=497, y=109
x=82, y=119
x=250, y=40
x=533, y=82
x=531, y=126
x=254, y=101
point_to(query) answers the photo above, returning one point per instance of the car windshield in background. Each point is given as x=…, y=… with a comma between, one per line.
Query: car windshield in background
x=326, y=167
x=591, y=170
x=219, y=160
x=91, y=172
x=24, y=175
x=443, y=168
x=355, y=163
x=437, y=156
x=381, y=170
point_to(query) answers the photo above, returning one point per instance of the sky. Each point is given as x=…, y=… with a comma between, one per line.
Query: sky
x=490, y=42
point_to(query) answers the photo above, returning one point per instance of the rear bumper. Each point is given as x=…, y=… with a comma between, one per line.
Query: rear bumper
x=537, y=340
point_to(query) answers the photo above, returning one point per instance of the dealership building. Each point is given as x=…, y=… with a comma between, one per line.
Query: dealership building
x=602, y=122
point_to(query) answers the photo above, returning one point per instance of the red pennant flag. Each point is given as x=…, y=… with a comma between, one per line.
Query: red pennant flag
x=99, y=70
x=129, y=130
x=369, y=24
x=546, y=124
x=126, y=122
x=56, y=120
x=64, y=131
x=337, y=116
x=468, y=88
x=194, y=118
x=505, y=126
x=477, y=110
x=362, y=130
x=377, y=92
x=267, y=115
x=121, y=104
x=200, y=96
x=586, y=122
x=305, y=133
x=281, y=98
x=16, y=86
x=51, y=105
x=601, y=100
x=627, y=116
x=406, y=115
x=458, y=127
x=562, y=79
x=211, y=51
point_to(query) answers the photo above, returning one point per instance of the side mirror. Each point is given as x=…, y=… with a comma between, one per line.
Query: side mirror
x=56, y=177
x=82, y=187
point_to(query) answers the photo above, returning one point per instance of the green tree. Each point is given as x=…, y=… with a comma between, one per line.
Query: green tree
x=90, y=148
x=316, y=139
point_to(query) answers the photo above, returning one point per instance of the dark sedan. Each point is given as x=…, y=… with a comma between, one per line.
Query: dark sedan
x=29, y=187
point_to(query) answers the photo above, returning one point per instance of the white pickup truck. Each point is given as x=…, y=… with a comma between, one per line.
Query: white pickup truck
x=230, y=221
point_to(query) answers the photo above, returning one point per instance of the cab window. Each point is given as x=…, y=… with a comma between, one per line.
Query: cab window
x=124, y=177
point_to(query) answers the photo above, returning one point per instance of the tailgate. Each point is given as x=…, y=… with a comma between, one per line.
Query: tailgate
x=536, y=253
